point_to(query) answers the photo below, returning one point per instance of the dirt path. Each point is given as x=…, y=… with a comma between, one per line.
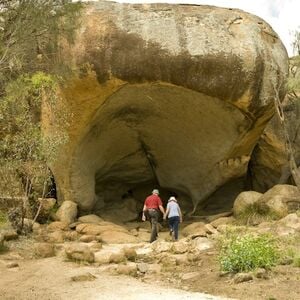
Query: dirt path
x=50, y=279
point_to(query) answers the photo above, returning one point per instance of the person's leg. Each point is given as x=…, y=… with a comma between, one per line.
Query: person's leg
x=176, y=227
x=171, y=224
x=154, y=220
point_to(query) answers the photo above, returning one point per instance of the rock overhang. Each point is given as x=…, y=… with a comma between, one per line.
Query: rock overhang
x=180, y=95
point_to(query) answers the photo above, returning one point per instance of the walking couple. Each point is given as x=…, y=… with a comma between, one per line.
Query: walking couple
x=153, y=205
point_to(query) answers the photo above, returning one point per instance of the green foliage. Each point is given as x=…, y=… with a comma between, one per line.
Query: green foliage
x=32, y=33
x=248, y=252
x=3, y=219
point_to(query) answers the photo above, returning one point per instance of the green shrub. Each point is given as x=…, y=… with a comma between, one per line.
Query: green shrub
x=3, y=219
x=248, y=252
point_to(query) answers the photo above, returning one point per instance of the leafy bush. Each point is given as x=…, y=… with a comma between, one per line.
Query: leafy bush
x=248, y=252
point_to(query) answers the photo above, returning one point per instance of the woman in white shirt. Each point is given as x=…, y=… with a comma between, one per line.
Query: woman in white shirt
x=174, y=215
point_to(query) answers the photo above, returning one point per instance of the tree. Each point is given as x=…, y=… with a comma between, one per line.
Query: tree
x=31, y=33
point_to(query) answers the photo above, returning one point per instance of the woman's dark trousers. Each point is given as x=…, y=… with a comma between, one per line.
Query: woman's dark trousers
x=174, y=226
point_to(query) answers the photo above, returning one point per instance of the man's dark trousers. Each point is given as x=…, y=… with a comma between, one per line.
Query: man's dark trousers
x=153, y=217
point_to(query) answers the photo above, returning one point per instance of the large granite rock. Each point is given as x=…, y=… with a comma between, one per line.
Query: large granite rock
x=269, y=162
x=67, y=212
x=173, y=95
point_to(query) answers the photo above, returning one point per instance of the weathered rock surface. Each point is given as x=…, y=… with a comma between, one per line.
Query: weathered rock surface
x=279, y=200
x=97, y=229
x=90, y=219
x=79, y=252
x=147, y=64
x=269, y=163
x=117, y=237
x=44, y=250
x=128, y=269
x=57, y=225
x=244, y=201
x=67, y=212
x=242, y=277
x=196, y=228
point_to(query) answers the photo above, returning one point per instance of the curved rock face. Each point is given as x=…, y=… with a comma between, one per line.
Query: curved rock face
x=173, y=96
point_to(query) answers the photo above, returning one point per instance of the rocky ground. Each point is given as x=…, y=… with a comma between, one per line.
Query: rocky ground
x=95, y=270
x=90, y=258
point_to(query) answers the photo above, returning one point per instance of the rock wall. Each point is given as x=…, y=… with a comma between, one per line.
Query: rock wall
x=174, y=96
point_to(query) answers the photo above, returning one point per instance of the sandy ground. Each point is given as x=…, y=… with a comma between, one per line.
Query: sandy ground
x=50, y=279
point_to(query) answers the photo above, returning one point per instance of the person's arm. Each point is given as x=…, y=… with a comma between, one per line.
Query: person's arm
x=167, y=212
x=180, y=214
x=143, y=216
x=160, y=206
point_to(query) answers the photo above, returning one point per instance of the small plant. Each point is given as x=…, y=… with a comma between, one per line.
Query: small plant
x=248, y=252
x=255, y=214
x=3, y=219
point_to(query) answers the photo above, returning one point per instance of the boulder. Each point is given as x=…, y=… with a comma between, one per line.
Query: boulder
x=180, y=247
x=102, y=257
x=222, y=221
x=117, y=257
x=245, y=200
x=44, y=250
x=276, y=200
x=130, y=253
x=223, y=68
x=202, y=243
x=142, y=267
x=97, y=229
x=55, y=237
x=181, y=259
x=79, y=252
x=197, y=228
x=154, y=268
x=57, y=225
x=291, y=220
x=67, y=212
x=210, y=229
x=95, y=246
x=87, y=238
x=242, y=277
x=161, y=246
x=117, y=237
x=71, y=235
x=90, y=219
x=127, y=269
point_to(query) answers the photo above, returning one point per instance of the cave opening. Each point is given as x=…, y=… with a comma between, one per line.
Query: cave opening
x=157, y=135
